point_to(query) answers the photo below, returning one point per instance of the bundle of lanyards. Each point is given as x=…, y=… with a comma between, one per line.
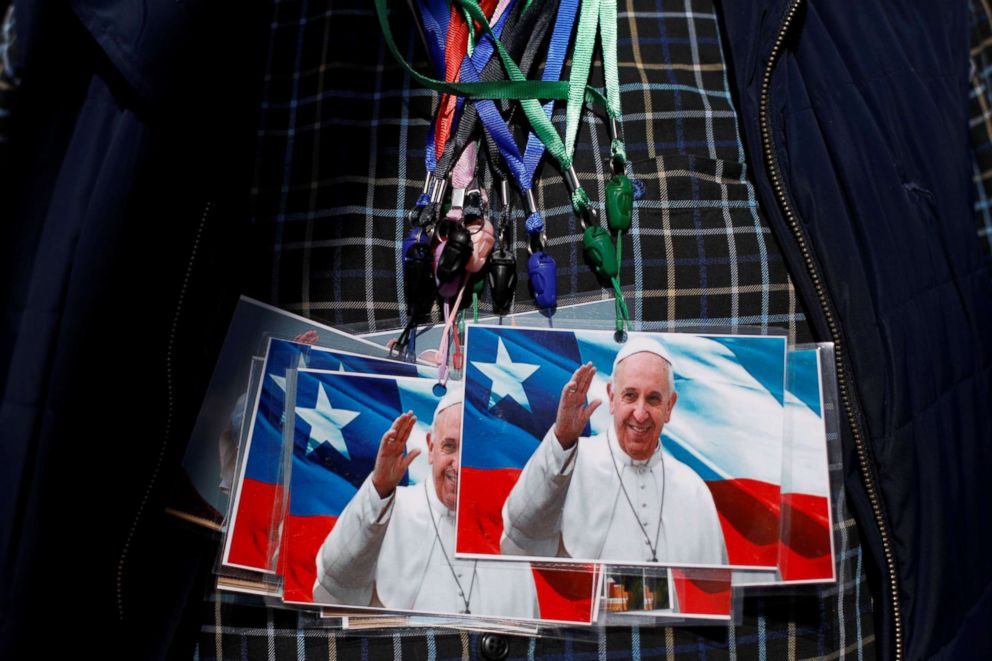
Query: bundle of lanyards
x=483, y=53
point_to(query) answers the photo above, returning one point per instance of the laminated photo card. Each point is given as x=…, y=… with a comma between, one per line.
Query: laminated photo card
x=372, y=505
x=663, y=450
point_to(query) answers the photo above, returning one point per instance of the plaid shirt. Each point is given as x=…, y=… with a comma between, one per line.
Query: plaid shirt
x=981, y=118
x=340, y=162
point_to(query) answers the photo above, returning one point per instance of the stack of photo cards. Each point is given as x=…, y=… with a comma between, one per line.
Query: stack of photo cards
x=259, y=500
x=202, y=494
x=249, y=559
x=567, y=480
x=372, y=506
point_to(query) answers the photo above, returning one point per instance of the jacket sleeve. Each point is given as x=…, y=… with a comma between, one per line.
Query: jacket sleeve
x=347, y=560
x=532, y=513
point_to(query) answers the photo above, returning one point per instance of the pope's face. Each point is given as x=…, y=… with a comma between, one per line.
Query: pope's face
x=442, y=454
x=641, y=402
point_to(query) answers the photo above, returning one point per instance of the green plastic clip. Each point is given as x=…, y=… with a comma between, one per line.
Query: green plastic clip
x=619, y=203
x=599, y=250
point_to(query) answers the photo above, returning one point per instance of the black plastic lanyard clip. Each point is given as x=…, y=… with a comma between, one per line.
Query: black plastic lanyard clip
x=456, y=251
x=502, y=278
x=418, y=280
x=502, y=275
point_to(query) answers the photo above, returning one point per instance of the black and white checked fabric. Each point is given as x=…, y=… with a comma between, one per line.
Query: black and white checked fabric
x=980, y=123
x=340, y=162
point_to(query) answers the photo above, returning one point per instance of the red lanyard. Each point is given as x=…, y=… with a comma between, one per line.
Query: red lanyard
x=455, y=47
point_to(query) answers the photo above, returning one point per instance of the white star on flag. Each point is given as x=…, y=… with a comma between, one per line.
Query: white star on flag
x=281, y=380
x=326, y=424
x=507, y=376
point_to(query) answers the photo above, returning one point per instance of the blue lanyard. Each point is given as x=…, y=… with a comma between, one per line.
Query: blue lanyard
x=541, y=267
x=481, y=55
x=489, y=114
x=435, y=15
x=557, y=51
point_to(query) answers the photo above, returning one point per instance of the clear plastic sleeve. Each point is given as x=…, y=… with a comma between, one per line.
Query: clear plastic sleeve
x=813, y=493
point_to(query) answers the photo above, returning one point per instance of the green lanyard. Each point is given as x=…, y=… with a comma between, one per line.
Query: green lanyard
x=619, y=190
x=603, y=250
x=593, y=14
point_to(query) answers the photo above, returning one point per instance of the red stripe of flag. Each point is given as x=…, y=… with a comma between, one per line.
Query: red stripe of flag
x=480, y=507
x=711, y=596
x=565, y=594
x=805, y=551
x=749, y=515
x=302, y=537
x=252, y=539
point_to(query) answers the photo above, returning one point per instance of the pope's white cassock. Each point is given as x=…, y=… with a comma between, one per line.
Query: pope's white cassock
x=569, y=503
x=385, y=551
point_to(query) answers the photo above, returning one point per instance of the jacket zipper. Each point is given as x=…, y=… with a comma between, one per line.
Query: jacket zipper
x=840, y=360
x=167, y=428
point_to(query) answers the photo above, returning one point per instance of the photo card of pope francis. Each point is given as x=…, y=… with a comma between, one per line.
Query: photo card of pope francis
x=372, y=501
x=663, y=450
x=259, y=486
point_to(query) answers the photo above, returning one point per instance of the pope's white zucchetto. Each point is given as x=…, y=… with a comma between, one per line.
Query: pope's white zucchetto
x=641, y=344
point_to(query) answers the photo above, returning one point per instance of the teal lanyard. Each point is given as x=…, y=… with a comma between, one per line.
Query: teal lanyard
x=593, y=14
x=603, y=251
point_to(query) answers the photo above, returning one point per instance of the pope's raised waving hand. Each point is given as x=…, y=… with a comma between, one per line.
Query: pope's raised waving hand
x=390, y=462
x=573, y=413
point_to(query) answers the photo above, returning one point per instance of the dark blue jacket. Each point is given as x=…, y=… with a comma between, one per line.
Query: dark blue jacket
x=855, y=116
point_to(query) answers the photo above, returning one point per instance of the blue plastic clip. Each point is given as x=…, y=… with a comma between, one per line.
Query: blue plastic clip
x=543, y=274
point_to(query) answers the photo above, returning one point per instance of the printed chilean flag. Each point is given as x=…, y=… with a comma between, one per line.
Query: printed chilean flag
x=259, y=497
x=727, y=424
x=340, y=419
x=806, y=550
